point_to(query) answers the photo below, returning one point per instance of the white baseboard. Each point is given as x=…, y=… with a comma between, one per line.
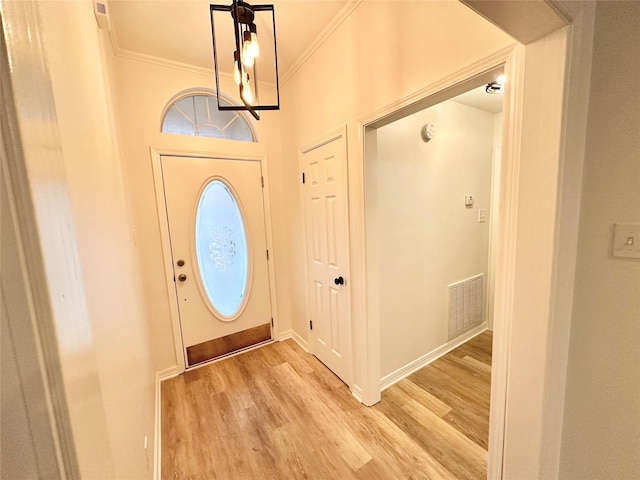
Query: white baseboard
x=161, y=376
x=287, y=334
x=395, y=377
x=356, y=391
x=300, y=341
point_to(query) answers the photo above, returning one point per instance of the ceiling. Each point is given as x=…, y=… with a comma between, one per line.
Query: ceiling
x=479, y=98
x=180, y=30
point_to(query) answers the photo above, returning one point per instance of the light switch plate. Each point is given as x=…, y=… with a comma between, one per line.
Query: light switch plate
x=482, y=215
x=626, y=240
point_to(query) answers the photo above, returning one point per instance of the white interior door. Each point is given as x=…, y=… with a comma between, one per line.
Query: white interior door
x=327, y=232
x=216, y=221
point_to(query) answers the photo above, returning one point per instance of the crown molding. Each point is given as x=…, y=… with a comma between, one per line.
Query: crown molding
x=340, y=17
x=163, y=62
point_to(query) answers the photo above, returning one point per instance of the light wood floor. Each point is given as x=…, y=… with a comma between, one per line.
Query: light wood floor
x=277, y=413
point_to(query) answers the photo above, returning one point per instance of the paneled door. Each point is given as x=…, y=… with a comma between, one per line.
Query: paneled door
x=327, y=239
x=215, y=213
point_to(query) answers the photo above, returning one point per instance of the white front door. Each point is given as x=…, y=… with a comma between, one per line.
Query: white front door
x=217, y=232
x=327, y=235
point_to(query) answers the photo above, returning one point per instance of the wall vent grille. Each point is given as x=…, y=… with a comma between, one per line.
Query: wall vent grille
x=466, y=305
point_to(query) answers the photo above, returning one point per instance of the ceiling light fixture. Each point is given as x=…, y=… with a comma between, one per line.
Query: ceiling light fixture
x=497, y=86
x=240, y=55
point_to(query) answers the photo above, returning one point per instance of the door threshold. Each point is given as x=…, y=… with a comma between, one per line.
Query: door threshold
x=229, y=355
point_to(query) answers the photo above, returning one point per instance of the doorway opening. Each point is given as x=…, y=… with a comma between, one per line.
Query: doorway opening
x=431, y=177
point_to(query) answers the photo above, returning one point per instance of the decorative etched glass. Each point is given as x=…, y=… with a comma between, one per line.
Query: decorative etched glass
x=221, y=246
x=198, y=115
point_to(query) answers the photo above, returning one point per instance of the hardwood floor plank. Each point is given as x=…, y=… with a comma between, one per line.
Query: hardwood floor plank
x=461, y=456
x=434, y=439
x=478, y=365
x=412, y=391
x=278, y=413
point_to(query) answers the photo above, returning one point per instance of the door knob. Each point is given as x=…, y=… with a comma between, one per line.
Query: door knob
x=338, y=281
x=182, y=277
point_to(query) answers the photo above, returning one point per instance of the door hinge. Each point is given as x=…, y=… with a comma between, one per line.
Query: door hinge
x=310, y=324
x=272, y=322
x=302, y=177
x=267, y=254
x=262, y=180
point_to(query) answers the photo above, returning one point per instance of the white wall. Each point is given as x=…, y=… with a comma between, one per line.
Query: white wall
x=601, y=434
x=73, y=164
x=142, y=90
x=426, y=237
x=108, y=258
x=380, y=53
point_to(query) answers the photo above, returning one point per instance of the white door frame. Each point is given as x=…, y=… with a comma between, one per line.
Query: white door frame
x=323, y=140
x=366, y=321
x=156, y=154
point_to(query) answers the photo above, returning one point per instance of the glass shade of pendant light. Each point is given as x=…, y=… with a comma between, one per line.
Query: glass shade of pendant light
x=237, y=76
x=247, y=93
x=243, y=58
x=247, y=55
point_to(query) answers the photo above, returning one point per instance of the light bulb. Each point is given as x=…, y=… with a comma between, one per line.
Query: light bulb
x=254, y=47
x=500, y=80
x=236, y=73
x=247, y=93
x=247, y=57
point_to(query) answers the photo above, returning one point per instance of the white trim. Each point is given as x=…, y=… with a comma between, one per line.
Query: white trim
x=167, y=373
x=322, y=37
x=156, y=155
x=293, y=335
x=439, y=90
x=300, y=341
x=271, y=263
x=408, y=369
x=504, y=273
x=167, y=259
x=162, y=62
x=356, y=392
x=184, y=67
x=285, y=335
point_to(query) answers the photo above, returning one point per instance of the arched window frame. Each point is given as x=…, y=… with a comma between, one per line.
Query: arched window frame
x=208, y=93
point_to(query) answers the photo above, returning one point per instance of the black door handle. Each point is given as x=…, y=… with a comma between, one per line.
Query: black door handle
x=338, y=281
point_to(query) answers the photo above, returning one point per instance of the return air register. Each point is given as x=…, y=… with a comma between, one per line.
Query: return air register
x=466, y=305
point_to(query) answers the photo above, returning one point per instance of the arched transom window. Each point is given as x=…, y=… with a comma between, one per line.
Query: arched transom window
x=198, y=115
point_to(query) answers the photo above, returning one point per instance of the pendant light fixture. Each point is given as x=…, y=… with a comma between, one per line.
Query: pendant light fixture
x=244, y=44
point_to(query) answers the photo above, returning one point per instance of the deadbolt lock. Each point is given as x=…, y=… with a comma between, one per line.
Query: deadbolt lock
x=182, y=277
x=180, y=263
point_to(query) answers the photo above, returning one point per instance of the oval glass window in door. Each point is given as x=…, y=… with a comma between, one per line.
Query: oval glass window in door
x=221, y=248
